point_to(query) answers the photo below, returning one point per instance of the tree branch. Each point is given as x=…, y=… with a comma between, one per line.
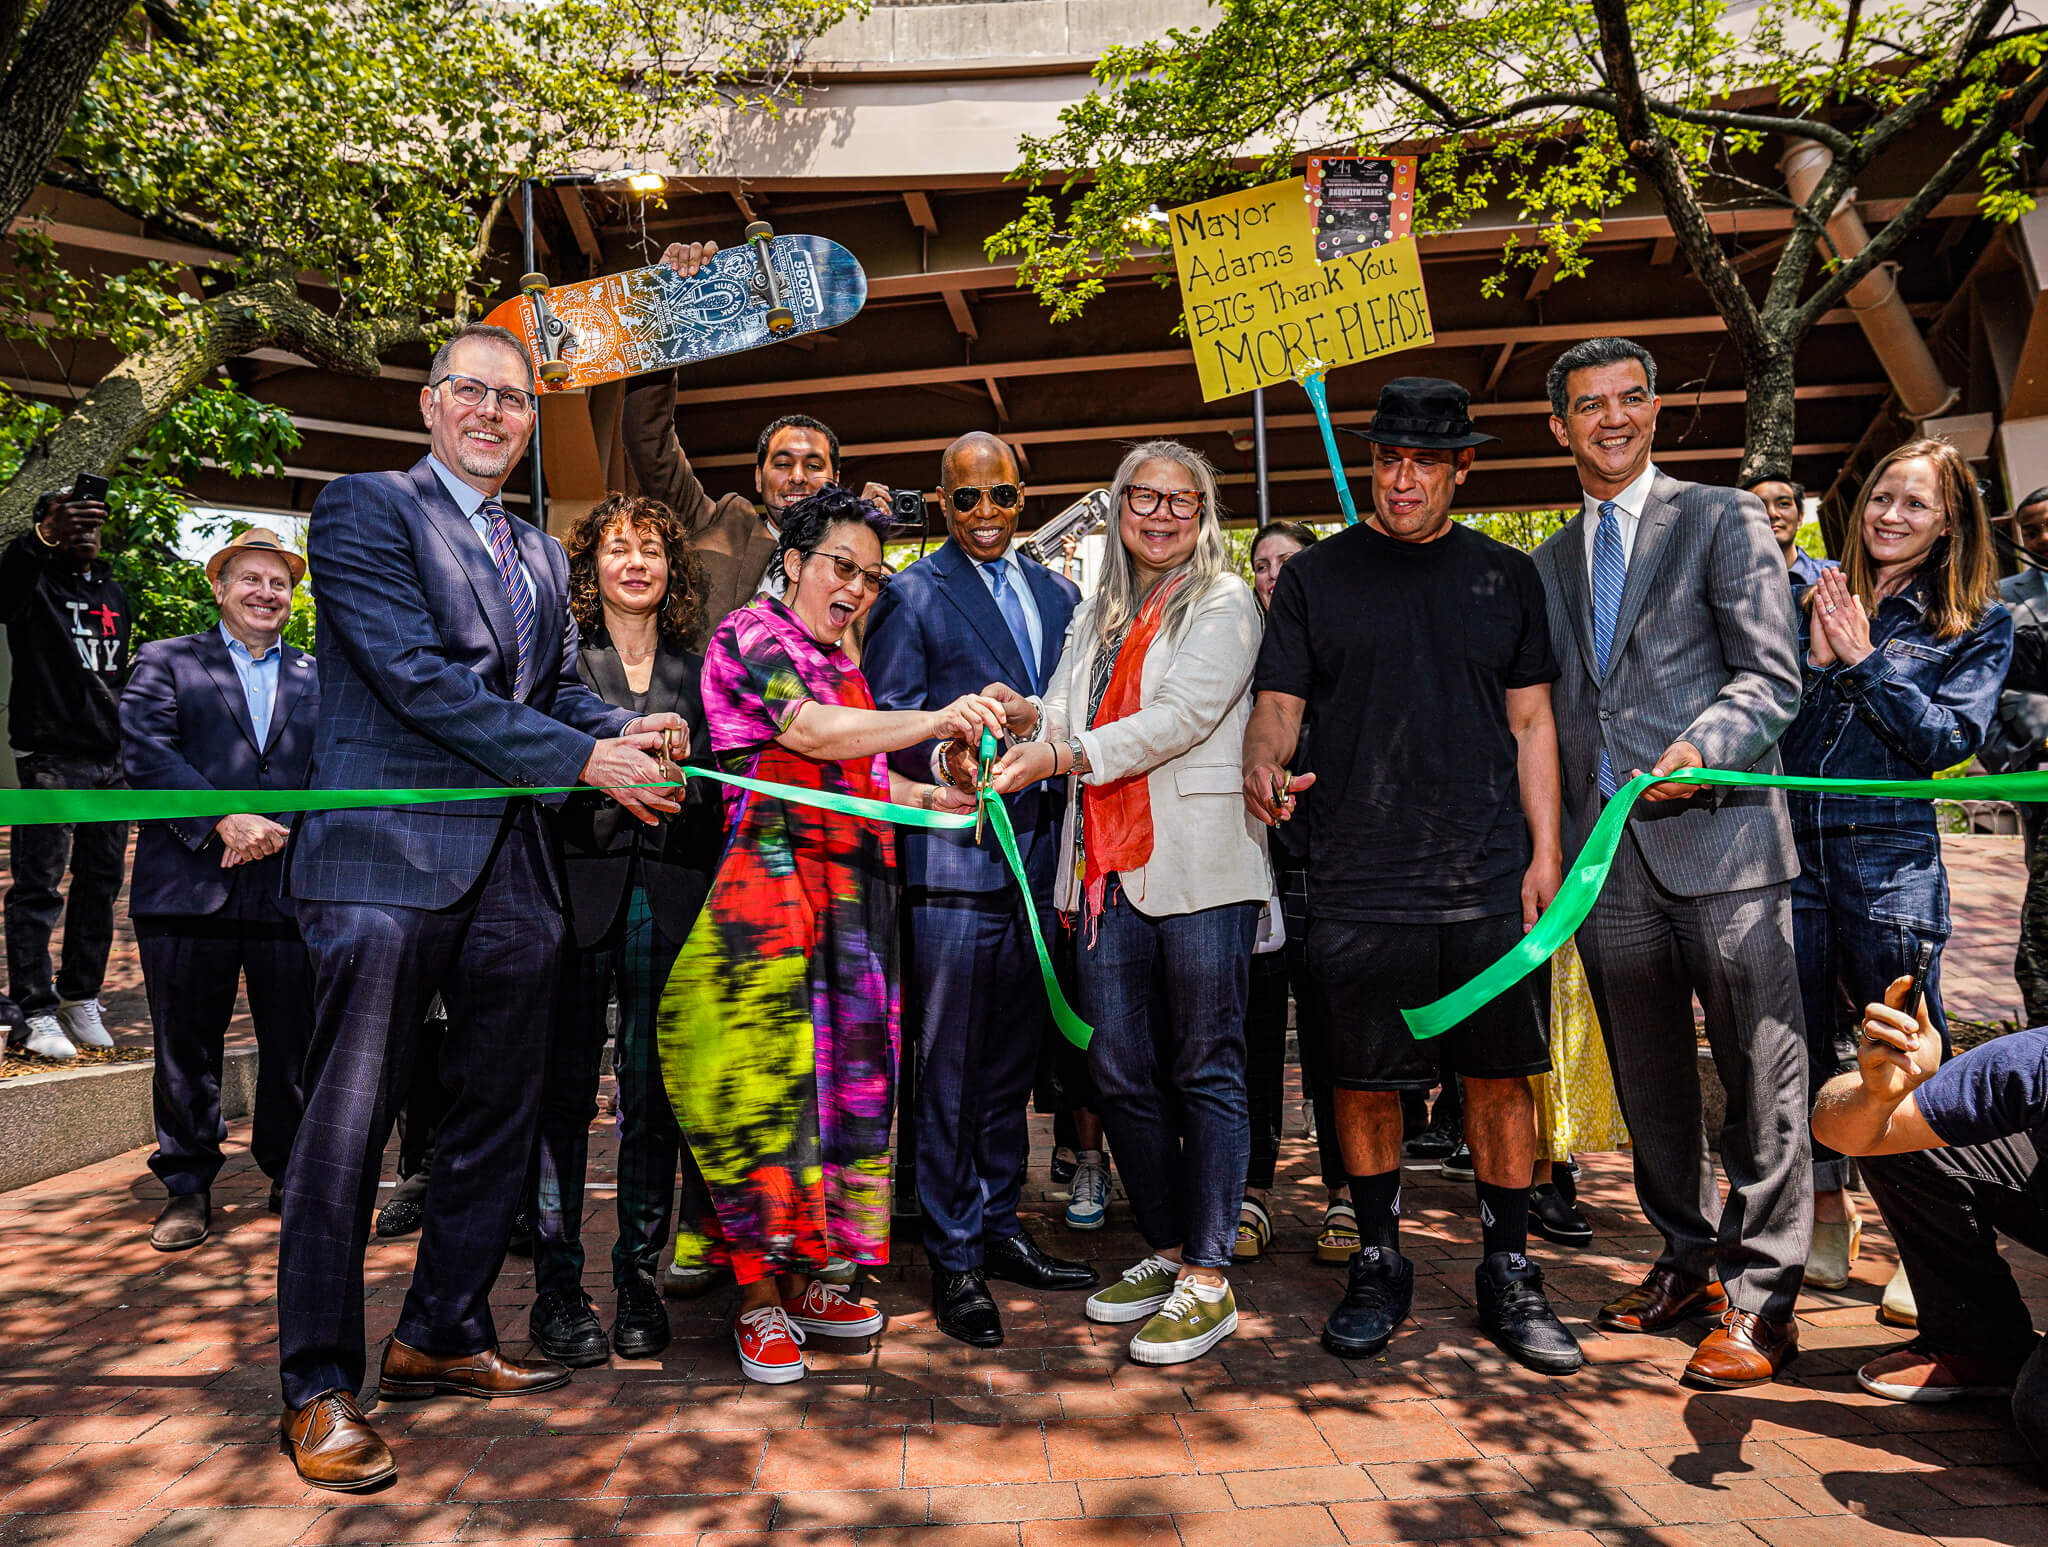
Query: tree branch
x=1675, y=191
x=172, y=225
x=2012, y=107
x=43, y=84
x=111, y=420
x=1761, y=123
x=1590, y=101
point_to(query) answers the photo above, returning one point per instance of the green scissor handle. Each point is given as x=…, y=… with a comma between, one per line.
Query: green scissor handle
x=984, y=758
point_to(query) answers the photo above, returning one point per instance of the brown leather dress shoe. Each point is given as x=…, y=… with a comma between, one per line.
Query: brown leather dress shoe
x=1661, y=1301
x=409, y=1373
x=185, y=1222
x=1745, y=1350
x=333, y=1447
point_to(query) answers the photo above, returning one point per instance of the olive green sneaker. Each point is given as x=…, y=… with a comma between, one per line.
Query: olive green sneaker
x=1194, y=1319
x=1135, y=1296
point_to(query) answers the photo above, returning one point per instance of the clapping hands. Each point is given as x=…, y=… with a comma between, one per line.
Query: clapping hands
x=1840, y=631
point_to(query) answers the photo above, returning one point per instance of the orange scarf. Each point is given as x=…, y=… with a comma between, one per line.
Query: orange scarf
x=1116, y=818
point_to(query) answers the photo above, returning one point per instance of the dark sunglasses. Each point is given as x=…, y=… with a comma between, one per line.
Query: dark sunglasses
x=877, y=579
x=1004, y=496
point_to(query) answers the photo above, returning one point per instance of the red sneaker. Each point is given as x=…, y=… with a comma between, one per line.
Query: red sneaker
x=831, y=1312
x=1915, y=1373
x=768, y=1346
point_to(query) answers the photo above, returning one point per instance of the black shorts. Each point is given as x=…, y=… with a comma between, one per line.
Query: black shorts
x=1368, y=973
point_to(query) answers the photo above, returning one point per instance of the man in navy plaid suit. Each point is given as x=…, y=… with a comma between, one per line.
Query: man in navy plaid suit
x=447, y=658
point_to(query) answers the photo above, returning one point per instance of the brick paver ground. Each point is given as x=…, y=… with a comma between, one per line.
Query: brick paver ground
x=138, y=1403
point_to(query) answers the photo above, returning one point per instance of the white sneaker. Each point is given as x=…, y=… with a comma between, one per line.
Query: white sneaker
x=838, y=1270
x=82, y=1023
x=1090, y=1197
x=46, y=1038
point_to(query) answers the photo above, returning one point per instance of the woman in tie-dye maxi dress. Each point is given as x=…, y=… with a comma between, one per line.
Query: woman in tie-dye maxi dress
x=779, y=1028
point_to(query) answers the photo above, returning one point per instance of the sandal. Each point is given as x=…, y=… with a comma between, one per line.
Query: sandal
x=1340, y=1234
x=1254, y=1231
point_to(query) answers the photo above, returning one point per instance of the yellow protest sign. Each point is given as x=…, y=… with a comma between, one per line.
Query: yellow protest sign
x=1258, y=304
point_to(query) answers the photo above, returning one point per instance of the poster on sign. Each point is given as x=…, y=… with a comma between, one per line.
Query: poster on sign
x=1358, y=202
x=1258, y=305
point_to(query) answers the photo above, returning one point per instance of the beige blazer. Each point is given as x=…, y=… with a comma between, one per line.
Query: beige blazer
x=1188, y=738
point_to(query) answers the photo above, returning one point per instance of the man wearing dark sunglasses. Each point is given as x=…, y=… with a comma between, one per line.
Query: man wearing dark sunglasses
x=794, y=458
x=972, y=613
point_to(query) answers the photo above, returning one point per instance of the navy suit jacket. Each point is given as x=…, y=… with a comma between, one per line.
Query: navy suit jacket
x=935, y=634
x=185, y=726
x=417, y=656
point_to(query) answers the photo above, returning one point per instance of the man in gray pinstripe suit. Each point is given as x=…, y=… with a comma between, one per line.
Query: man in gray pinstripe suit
x=1682, y=654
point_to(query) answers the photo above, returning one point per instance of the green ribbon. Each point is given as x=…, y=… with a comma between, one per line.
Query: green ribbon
x=1588, y=873
x=31, y=808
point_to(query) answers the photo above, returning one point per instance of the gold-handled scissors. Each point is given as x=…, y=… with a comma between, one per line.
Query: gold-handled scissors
x=981, y=775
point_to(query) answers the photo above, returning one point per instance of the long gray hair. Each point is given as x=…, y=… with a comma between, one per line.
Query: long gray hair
x=1119, y=597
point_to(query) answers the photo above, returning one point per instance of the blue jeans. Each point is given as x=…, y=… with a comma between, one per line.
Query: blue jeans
x=1167, y=997
x=1866, y=895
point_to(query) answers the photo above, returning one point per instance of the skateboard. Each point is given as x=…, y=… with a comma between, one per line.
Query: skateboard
x=768, y=288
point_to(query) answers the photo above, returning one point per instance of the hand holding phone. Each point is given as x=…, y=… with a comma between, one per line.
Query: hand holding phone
x=1923, y=963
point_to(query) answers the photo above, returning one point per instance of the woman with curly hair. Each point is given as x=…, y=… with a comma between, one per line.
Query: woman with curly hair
x=633, y=892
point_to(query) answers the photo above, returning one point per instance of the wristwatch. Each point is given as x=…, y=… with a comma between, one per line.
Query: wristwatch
x=1078, y=756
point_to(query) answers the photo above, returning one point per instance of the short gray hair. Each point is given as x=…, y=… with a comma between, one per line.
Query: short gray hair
x=1590, y=353
x=484, y=330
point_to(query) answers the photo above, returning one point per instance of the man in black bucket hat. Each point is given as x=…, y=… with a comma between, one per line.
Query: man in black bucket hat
x=1421, y=648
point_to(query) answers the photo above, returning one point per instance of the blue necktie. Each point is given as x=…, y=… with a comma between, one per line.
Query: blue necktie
x=1012, y=606
x=506, y=552
x=1610, y=572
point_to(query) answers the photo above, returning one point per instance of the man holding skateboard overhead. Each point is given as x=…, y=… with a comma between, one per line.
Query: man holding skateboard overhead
x=795, y=457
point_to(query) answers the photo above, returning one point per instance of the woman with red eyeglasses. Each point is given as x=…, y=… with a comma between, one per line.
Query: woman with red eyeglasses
x=1145, y=715
x=780, y=1023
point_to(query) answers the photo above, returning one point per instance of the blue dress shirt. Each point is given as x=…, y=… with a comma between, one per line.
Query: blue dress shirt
x=259, y=682
x=471, y=503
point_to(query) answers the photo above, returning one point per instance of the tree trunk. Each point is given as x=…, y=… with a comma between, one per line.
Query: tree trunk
x=42, y=88
x=1768, y=428
x=111, y=420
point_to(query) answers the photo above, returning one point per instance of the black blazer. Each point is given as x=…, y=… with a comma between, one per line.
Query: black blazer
x=185, y=726
x=599, y=842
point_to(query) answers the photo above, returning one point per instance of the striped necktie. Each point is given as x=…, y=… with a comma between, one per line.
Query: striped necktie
x=1610, y=573
x=506, y=552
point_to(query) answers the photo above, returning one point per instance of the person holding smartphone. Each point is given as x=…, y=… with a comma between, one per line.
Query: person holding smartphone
x=68, y=623
x=1952, y=1155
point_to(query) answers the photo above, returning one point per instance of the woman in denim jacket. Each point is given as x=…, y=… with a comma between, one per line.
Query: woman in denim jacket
x=1906, y=647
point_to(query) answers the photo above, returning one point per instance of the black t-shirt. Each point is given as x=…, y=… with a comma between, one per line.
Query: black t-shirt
x=67, y=630
x=1404, y=653
x=1997, y=1089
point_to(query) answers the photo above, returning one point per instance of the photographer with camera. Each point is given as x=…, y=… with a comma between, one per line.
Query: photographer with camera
x=795, y=457
x=67, y=624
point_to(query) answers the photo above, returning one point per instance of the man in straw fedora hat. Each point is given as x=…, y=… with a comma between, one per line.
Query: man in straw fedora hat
x=232, y=707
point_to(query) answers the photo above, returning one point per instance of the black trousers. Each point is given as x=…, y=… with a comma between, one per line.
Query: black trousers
x=973, y=1002
x=1946, y=1209
x=1275, y=977
x=191, y=968
x=96, y=853
x=493, y=958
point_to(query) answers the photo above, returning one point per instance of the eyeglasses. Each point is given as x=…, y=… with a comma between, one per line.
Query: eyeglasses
x=1004, y=496
x=877, y=579
x=1143, y=499
x=470, y=393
